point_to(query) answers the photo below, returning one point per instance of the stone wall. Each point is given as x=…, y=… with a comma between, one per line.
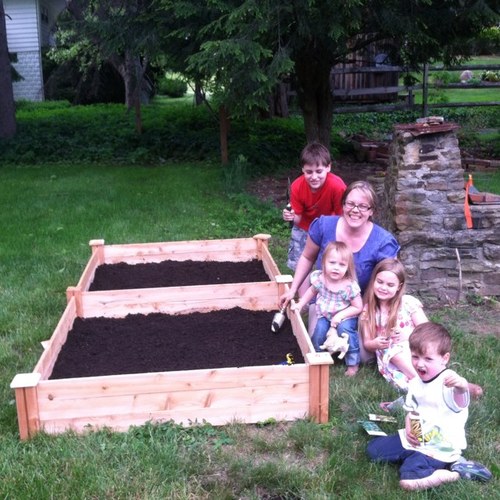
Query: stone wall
x=423, y=205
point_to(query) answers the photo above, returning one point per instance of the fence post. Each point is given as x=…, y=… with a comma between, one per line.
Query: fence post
x=425, y=90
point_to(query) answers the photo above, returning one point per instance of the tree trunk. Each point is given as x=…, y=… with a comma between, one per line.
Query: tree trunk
x=7, y=108
x=315, y=97
x=224, y=132
x=199, y=94
x=132, y=73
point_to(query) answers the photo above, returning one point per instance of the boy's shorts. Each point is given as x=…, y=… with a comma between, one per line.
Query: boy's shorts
x=296, y=246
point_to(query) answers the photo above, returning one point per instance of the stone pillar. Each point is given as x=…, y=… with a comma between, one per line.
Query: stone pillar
x=424, y=208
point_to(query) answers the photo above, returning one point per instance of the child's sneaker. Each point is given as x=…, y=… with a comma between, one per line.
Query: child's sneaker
x=471, y=470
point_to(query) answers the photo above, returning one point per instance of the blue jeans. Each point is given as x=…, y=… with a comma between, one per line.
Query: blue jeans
x=349, y=326
x=413, y=464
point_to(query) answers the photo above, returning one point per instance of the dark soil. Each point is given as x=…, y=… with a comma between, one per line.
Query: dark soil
x=122, y=276
x=160, y=342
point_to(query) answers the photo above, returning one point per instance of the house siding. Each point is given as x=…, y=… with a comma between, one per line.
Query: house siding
x=22, y=25
x=28, y=24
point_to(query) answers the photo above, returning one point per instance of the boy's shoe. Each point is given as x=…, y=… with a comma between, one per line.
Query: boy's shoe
x=438, y=477
x=473, y=471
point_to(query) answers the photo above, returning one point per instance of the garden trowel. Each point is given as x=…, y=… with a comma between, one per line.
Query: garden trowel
x=278, y=320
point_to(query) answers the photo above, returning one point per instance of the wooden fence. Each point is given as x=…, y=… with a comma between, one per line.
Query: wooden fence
x=407, y=100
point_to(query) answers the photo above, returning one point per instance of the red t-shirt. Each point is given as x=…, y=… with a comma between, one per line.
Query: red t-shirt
x=325, y=201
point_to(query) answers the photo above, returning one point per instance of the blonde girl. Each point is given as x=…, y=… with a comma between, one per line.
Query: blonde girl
x=388, y=319
x=338, y=300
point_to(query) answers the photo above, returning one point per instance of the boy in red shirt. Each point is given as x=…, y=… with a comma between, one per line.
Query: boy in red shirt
x=316, y=192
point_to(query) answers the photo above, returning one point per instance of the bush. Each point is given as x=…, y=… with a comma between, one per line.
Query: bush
x=174, y=130
x=490, y=76
x=488, y=42
x=172, y=87
x=444, y=77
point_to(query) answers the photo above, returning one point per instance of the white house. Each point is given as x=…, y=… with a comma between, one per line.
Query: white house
x=29, y=24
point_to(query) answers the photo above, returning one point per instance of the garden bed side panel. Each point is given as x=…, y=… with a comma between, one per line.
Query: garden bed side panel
x=232, y=250
x=218, y=397
x=258, y=296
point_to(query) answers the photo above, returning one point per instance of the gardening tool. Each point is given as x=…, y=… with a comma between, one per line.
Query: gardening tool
x=288, y=205
x=278, y=320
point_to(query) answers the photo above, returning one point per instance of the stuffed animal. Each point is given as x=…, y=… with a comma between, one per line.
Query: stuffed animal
x=336, y=343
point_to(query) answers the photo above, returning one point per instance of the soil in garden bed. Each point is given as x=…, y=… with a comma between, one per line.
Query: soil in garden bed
x=160, y=342
x=168, y=273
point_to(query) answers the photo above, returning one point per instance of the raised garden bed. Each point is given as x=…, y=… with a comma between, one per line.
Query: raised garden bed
x=218, y=396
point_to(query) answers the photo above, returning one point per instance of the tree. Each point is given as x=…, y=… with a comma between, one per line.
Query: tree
x=246, y=42
x=222, y=53
x=7, y=108
x=112, y=31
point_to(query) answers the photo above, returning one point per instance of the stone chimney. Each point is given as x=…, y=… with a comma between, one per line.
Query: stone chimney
x=424, y=208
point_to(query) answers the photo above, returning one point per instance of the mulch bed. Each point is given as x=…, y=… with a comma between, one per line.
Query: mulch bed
x=122, y=276
x=161, y=342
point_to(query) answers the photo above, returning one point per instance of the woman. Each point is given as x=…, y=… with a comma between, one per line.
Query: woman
x=369, y=242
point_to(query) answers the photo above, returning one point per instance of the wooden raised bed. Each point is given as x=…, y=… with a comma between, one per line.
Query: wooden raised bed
x=216, y=396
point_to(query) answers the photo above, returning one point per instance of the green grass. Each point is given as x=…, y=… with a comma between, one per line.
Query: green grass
x=48, y=214
x=487, y=181
x=441, y=95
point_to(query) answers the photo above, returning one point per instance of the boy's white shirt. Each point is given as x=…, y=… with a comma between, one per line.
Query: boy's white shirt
x=443, y=420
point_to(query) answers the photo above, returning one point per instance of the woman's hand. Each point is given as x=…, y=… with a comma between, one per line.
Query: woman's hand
x=286, y=298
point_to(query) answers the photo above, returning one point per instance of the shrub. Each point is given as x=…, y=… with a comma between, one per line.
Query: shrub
x=488, y=42
x=490, y=76
x=174, y=130
x=444, y=77
x=172, y=87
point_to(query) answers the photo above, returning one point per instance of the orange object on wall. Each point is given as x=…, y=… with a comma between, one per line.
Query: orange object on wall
x=467, y=212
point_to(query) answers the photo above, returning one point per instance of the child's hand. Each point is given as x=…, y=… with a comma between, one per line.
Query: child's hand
x=454, y=380
x=395, y=336
x=288, y=214
x=382, y=342
x=295, y=306
x=411, y=438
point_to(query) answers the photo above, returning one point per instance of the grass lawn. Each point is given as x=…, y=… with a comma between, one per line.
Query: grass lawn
x=441, y=95
x=48, y=214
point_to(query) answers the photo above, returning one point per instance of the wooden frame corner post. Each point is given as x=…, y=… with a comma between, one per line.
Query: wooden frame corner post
x=28, y=417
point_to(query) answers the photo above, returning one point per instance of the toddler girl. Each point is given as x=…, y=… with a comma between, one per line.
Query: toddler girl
x=338, y=300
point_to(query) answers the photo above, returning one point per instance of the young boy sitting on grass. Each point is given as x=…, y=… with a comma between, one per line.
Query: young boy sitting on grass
x=429, y=448
x=316, y=192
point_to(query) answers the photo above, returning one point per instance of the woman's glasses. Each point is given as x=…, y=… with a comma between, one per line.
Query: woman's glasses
x=362, y=207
